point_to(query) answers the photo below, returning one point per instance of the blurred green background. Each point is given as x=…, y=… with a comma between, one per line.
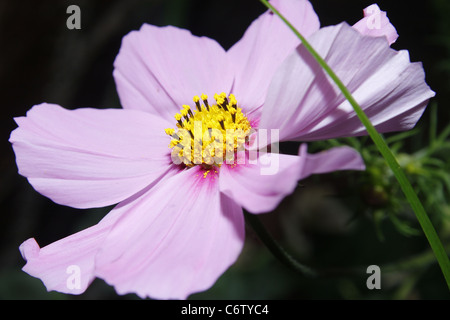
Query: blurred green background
x=338, y=223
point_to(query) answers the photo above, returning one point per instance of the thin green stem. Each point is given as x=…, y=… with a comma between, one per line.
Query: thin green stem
x=275, y=248
x=405, y=185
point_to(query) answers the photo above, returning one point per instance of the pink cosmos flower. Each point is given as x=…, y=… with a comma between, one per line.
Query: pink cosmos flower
x=177, y=227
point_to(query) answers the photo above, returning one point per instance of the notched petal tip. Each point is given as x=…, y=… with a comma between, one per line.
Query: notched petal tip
x=376, y=24
x=29, y=249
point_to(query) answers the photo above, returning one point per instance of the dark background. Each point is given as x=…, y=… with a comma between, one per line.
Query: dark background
x=42, y=61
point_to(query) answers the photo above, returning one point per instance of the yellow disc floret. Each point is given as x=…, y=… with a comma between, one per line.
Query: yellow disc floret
x=209, y=135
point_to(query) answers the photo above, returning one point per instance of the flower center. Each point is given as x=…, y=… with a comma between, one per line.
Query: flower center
x=210, y=134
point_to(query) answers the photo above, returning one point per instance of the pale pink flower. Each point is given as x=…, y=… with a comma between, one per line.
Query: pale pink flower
x=176, y=229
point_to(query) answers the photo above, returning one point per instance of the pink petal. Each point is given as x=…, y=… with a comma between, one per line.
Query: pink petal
x=334, y=159
x=174, y=240
x=67, y=265
x=158, y=69
x=90, y=157
x=260, y=187
x=305, y=104
x=376, y=24
x=265, y=44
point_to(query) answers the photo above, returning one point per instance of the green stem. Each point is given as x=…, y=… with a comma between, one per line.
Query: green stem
x=406, y=187
x=274, y=247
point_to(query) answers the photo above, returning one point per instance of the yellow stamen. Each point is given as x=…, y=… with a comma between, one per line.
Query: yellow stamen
x=184, y=112
x=169, y=131
x=211, y=134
